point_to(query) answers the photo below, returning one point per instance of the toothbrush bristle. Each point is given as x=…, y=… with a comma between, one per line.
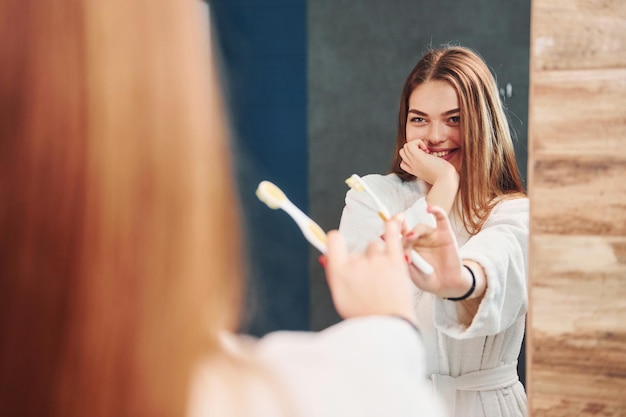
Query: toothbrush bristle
x=354, y=182
x=270, y=194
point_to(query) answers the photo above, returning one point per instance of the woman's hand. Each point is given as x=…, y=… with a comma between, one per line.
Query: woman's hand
x=417, y=160
x=438, y=247
x=376, y=282
x=439, y=173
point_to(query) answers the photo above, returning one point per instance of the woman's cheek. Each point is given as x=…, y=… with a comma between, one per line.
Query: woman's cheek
x=412, y=134
x=457, y=138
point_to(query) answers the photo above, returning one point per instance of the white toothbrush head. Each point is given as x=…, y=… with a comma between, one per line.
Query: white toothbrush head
x=271, y=195
x=355, y=183
x=275, y=198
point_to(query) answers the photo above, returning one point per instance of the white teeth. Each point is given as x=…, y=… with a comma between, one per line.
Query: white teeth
x=440, y=153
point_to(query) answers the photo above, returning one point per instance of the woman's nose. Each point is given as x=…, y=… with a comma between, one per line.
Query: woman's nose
x=435, y=134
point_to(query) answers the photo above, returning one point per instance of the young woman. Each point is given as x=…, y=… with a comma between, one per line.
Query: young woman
x=454, y=150
x=120, y=269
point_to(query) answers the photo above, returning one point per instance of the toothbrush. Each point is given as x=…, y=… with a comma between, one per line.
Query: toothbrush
x=275, y=198
x=357, y=184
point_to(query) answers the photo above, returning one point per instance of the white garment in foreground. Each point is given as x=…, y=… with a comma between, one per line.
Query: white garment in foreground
x=492, y=342
x=362, y=367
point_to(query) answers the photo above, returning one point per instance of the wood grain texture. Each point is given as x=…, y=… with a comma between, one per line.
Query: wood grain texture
x=576, y=339
x=605, y=402
x=588, y=276
x=579, y=112
x=579, y=194
x=578, y=34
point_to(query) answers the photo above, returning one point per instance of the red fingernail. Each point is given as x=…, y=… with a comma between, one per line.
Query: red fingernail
x=406, y=258
x=382, y=237
x=322, y=260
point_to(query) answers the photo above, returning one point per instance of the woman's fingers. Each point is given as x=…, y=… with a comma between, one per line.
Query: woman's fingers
x=438, y=212
x=336, y=254
x=419, y=232
x=393, y=238
x=401, y=220
x=375, y=248
x=443, y=223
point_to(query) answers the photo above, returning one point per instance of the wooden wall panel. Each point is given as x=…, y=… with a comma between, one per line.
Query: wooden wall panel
x=578, y=193
x=578, y=34
x=580, y=112
x=576, y=338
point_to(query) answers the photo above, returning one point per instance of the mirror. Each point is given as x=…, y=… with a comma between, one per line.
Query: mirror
x=358, y=60
x=314, y=88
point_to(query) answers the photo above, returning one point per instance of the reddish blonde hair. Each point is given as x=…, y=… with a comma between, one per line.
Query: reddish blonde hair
x=489, y=171
x=119, y=261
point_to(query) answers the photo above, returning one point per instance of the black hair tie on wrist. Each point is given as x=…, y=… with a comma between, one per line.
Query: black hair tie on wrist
x=471, y=290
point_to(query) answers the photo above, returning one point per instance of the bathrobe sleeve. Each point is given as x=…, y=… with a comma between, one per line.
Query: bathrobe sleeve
x=360, y=223
x=501, y=247
x=371, y=366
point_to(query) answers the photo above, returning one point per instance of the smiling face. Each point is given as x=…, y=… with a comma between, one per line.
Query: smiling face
x=434, y=117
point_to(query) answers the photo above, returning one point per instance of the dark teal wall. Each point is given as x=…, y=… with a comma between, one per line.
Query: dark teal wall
x=263, y=48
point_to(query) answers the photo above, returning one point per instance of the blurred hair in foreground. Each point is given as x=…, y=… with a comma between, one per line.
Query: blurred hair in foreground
x=119, y=260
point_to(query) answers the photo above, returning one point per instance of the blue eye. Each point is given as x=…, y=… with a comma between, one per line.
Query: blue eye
x=455, y=119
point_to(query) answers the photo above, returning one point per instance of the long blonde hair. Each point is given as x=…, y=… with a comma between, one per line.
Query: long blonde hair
x=119, y=261
x=489, y=171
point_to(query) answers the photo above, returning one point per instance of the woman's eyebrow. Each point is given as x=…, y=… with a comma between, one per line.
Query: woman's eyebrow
x=446, y=113
x=449, y=112
x=419, y=113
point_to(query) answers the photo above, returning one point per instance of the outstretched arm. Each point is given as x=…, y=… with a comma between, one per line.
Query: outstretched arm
x=453, y=276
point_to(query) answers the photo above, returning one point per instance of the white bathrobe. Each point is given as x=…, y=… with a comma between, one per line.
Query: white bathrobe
x=362, y=367
x=491, y=343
